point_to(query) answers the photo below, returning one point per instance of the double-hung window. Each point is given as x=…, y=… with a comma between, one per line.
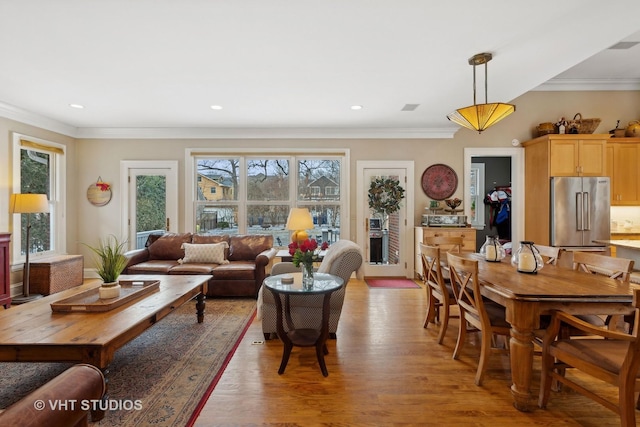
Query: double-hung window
x=39, y=168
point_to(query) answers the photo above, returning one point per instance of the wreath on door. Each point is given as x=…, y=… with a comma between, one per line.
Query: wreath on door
x=385, y=196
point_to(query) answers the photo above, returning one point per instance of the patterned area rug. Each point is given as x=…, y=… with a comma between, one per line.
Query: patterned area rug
x=168, y=368
x=392, y=283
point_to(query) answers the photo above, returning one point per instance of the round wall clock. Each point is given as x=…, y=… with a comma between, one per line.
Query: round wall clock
x=439, y=181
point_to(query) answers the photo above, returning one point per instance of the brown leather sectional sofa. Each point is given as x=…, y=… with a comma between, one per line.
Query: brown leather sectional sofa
x=247, y=260
x=76, y=388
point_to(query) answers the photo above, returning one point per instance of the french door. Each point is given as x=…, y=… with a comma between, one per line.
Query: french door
x=150, y=203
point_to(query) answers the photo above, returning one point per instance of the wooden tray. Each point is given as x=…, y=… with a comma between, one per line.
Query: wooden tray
x=89, y=301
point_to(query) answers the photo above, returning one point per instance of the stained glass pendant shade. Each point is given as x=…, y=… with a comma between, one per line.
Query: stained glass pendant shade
x=481, y=116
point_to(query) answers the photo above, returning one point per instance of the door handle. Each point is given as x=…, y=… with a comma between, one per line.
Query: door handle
x=579, y=216
x=167, y=224
x=585, y=209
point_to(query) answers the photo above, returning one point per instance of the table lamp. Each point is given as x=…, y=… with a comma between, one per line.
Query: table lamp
x=299, y=221
x=27, y=204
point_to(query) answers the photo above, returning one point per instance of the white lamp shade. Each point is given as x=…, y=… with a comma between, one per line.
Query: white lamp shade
x=29, y=203
x=299, y=219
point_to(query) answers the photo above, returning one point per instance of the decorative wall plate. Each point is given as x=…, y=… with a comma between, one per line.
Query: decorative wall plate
x=439, y=181
x=99, y=195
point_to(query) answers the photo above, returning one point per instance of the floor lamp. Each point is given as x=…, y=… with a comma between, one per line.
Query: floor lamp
x=28, y=204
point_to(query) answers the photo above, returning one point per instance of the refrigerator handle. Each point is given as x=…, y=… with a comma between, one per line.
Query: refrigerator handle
x=579, y=216
x=585, y=210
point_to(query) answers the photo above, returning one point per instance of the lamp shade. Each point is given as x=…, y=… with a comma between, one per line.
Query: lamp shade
x=299, y=219
x=481, y=116
x=29, y=203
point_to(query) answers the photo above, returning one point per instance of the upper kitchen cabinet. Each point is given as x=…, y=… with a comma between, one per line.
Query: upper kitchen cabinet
x=577, y=155
x=623, y=158
x=556, y=155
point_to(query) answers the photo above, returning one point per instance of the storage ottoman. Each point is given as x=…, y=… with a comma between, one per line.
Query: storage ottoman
x=54, y=274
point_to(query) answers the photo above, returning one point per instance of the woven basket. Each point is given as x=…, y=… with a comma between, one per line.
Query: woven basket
x=584, y=125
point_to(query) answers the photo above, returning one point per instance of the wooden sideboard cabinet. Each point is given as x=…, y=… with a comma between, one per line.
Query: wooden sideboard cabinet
x=5, y=279
x=623, y=158
x=556, y=155
x=422, y=233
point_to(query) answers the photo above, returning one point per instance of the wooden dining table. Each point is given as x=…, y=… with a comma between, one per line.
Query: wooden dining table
x=528, y=296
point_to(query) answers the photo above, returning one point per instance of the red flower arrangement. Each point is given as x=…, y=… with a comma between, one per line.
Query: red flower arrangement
x=103, y=185
x=306, y=253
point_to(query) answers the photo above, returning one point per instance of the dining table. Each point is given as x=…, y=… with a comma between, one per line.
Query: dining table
x=527, y=296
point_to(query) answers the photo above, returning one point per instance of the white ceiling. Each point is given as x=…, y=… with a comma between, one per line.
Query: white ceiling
x=295, y=67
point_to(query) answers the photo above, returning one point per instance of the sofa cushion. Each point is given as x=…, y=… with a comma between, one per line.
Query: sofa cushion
x=169, y=246
x=235, y=271
x=204, y=253
x=245, y=248
x=193, y=269
x=157, y=266
x=212, y=238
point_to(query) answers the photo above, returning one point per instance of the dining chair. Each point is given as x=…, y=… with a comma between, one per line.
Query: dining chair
x=485, y=315
x=616, y=268
x=439, y=291
x=550, y=254
x=446, y=243
x=614, y=359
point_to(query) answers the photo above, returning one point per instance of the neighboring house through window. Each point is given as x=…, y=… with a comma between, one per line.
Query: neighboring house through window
x=252, y=193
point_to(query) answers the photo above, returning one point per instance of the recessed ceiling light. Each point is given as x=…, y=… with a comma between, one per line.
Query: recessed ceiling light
x=356, y=107
x=216, y=107
x=78, y=106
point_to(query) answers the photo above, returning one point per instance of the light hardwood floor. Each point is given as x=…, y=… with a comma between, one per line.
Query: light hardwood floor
x=384, y=370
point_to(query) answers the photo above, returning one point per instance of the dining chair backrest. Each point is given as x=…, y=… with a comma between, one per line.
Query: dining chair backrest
x=432, y=270
x=466, y=289
x=446, y=243
x=616, y=268
x=549, y=254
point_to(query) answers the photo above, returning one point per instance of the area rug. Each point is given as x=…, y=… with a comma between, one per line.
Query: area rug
x=170, y=368
x=391, y=283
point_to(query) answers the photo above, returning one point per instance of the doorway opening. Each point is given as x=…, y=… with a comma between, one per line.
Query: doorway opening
x=514, y=157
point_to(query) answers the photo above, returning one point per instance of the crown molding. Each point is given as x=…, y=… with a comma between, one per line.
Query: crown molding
x=23, y=116
x=589, y=85
x=266, y=133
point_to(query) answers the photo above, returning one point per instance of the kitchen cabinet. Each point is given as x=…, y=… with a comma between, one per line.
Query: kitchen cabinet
x=577, y=156
x=422, y=233
x=5, y=285
x=556, y=155
x=623, y=157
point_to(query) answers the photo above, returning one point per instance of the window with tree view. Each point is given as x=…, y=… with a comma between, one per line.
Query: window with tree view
x=38, y=169
x=253, y=195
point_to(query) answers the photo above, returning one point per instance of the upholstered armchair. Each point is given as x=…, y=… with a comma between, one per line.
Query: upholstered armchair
x=342, y=259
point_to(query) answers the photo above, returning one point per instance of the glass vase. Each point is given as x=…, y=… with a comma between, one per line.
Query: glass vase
x=492, y=250
x=527, y=258
x=307, y=276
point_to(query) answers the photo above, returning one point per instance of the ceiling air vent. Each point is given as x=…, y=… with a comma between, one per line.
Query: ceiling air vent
x=624, y=45
x=410, y=107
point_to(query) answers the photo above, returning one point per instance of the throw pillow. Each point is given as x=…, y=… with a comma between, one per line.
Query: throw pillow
x=204, y=253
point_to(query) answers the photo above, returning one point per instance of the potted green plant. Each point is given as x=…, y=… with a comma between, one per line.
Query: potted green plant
x=110, y=262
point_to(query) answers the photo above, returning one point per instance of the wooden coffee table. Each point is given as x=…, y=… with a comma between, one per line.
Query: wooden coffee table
x=34, y=333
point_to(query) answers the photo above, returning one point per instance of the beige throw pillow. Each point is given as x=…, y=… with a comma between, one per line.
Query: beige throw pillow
x=204, y=253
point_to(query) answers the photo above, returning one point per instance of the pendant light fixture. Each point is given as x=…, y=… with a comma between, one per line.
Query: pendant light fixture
x=481, y=116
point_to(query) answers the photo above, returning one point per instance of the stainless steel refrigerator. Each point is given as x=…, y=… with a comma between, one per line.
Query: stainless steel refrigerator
x=580, y=210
